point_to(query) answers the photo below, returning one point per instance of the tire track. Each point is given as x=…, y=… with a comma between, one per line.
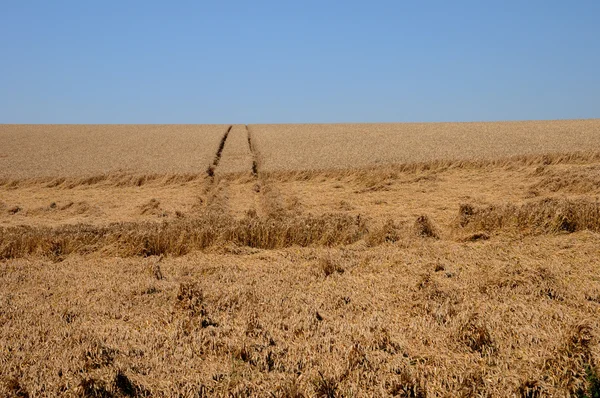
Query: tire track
x=253, y=152
x=268, y=199
x=259, y=185
x=211, y=169
x=216, y=198
x=227, y=189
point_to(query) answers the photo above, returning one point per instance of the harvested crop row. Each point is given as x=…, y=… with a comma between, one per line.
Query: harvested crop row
x=106, y=180
x=542, y=216
x=180, y=236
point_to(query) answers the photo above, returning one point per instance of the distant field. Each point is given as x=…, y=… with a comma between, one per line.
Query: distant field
x=28, y=151
x=85, y=150
x=326, y=146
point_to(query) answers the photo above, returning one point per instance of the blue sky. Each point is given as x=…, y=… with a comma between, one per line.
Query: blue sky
x=296, y=62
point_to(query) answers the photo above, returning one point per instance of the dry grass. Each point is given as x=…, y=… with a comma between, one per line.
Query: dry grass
x=448, y=275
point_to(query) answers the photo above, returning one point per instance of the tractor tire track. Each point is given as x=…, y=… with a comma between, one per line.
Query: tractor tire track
x=211, y=169
x=214, y=192
x=258, y=188
x=227, y=190
x=268, y=199
x=253, y=153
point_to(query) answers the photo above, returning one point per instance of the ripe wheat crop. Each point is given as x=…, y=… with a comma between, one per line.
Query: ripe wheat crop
x=236, y=157
x=337, y=146
x=410, y=260
x=28, y=151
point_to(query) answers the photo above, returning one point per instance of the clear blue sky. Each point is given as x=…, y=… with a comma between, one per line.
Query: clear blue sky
x=302, y=61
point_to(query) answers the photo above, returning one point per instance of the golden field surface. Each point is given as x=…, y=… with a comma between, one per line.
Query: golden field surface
x=301, y=147
x=91, y=150
x=411, y=260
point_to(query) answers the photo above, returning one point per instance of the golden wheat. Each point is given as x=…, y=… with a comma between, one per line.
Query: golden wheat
x=436, y=318
x=236, y=157
x=284, y=267
x=541, y=216
x=336, y=146
x=91, y=150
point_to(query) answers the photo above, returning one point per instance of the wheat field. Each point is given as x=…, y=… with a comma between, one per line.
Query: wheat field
x=337, y=146
x=90, y=150
x=236, y=157
x=409, y=260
